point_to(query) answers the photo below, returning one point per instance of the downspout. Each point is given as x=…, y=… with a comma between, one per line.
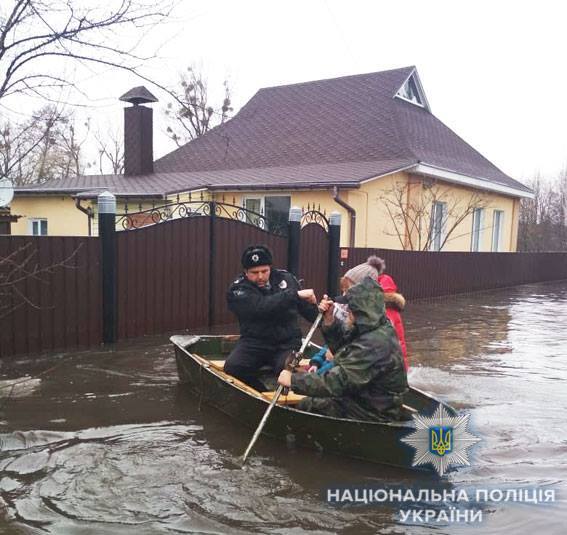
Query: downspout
x=351, y=212
x=88, y=211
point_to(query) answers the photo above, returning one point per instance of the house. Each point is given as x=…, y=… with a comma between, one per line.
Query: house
x=366, y=145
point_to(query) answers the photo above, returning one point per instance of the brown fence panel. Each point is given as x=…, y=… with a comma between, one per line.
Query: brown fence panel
x=231, y=237
x=163, y=277
x=314, y=258
x=57, y=308
x=421, y=274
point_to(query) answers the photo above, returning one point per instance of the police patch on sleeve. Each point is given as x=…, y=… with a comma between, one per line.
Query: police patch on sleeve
x=238, y=292
x=282, y=285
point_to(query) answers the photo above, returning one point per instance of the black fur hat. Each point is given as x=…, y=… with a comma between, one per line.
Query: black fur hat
x=256, y=255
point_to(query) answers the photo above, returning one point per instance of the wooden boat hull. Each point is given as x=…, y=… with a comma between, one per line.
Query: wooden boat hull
x=370, y=441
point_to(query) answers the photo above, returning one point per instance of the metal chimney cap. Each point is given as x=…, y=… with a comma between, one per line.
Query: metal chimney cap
x=106, y=202
x=295, y=214
x=138, y=95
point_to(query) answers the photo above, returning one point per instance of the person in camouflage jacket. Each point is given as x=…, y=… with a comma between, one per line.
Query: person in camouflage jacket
x=369, y=379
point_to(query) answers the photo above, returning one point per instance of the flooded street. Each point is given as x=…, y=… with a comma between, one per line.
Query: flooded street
x=108, y=442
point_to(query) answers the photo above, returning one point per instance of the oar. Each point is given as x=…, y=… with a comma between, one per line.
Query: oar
x=277, y=393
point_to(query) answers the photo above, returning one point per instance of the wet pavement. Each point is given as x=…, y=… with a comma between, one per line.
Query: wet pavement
x=108, y=442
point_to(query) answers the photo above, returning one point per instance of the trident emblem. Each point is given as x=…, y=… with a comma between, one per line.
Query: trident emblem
x=440, y=440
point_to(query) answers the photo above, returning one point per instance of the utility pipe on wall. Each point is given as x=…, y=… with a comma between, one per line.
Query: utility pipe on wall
x=351, y=212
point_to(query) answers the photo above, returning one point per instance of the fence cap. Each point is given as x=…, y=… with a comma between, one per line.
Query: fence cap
x=335, y=219
x=295, y=213
x=106, y=203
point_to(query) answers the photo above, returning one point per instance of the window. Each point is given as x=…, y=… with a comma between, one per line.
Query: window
x=277, y=211
x=497, y=225
x=275, y=208
x=437, y=227
x=412, y=92
x=38, y=227
x=253, y=204
x=476, y=235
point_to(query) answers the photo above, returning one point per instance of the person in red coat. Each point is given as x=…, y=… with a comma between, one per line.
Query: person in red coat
x=394, y=301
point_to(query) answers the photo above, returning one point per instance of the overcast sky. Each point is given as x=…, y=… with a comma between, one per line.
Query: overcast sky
x=493, y=71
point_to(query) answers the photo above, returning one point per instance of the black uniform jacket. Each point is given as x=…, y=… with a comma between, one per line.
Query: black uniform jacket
x=270, y=314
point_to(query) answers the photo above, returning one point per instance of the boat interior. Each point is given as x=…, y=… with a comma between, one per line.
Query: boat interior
x=212, y=351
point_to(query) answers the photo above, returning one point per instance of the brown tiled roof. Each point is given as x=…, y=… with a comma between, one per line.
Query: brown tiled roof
x=316, y=176
x=337, y=131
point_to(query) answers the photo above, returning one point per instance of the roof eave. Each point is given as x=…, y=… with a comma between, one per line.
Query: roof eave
x=267, y=187
x=476, y=182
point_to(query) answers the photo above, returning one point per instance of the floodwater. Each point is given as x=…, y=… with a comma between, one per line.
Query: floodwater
x=108, y=442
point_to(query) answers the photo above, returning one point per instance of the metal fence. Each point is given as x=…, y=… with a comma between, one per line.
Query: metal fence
x=50, y=295
x=422, y=275
x=173, y=274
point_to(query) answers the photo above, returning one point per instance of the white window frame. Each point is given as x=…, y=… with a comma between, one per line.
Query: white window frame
x=477, y=227
x=254, y=198
x=38, y=221
x=497, y=230
x=437, y=239
x=420, y=92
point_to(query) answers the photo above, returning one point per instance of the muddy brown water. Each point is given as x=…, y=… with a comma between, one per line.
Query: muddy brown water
x=108, y=442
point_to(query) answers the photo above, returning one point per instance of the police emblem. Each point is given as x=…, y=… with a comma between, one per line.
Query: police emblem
x=255, y=258
x=283, y=285
x=441, y=440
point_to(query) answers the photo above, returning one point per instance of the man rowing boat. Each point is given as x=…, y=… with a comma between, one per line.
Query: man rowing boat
x=267, y=302
x=368, y=380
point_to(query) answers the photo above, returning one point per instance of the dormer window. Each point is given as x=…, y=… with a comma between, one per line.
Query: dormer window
x=411, y=91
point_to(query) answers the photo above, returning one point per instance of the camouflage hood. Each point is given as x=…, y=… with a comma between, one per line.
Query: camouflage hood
x=366, y=301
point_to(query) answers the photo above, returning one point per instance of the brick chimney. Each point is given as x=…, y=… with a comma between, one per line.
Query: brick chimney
x=138, y=132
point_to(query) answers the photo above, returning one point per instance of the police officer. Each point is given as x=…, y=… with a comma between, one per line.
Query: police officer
x=267, y=302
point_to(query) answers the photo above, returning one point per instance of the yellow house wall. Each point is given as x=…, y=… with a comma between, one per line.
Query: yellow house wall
x=63, y=218
x=374, y=228
x=379, y=230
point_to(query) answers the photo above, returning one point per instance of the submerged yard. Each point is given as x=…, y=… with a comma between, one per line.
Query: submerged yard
x=107, y=442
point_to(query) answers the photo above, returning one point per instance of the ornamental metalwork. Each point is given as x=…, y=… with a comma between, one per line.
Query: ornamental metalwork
x=315, y=216
x=180, y=210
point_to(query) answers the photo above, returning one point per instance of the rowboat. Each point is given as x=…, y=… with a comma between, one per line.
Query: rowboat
x=200, y=361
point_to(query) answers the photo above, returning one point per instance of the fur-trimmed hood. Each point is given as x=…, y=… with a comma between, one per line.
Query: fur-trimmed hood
x=394, y=300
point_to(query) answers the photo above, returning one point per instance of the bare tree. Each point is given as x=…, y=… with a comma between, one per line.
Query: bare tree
x=21, y=266
x=417, y=223
x=110, y=152
x=543, y=219
x=192, y=114
x=45, y=146
x=34, y=31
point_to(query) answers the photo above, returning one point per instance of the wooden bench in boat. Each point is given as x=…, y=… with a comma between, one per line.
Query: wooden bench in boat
x=290, y=399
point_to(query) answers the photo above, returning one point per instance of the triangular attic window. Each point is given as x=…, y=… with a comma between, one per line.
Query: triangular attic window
x=412, y=92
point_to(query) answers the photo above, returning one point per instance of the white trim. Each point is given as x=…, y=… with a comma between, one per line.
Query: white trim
x=253, y=198
x=419, y=88
x=37, y=220
x=479, y=183
x=440, y=236
x=477, y=220
x=410, y=166
x=411, y=101
x=497, y=232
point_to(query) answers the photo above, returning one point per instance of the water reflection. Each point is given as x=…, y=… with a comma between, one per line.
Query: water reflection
x=107, y=442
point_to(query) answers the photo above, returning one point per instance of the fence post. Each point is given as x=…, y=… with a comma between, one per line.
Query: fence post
x=294, y=226
x=212, y=261
x=107, y=231
x=334, y=253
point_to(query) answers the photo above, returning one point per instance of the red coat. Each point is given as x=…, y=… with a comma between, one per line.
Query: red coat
x=394, y=304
